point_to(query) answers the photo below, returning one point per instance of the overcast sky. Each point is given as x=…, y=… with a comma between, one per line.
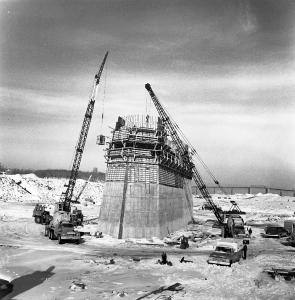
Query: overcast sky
x=225, y=70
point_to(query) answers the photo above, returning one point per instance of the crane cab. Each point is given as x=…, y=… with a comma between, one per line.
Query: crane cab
x=58, y=206
x=101, y=139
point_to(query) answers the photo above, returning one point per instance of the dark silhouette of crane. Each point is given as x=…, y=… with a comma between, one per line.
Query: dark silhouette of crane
x=66, y=197
x=186, y=158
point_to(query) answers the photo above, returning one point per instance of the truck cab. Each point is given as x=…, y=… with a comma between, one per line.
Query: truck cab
x=64, y=231
x=226, y=253
x=236, y=226
x=274, y=231
x=77, y=217
x=61, y=228
x=40, y=214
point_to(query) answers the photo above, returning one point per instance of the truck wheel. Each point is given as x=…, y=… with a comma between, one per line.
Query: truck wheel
x=230, y=263
x=46, y=232
x=35, y=219
x=78, y=242
x=60, y=241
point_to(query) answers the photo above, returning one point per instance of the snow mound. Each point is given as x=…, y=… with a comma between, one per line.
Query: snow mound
x=30, y=188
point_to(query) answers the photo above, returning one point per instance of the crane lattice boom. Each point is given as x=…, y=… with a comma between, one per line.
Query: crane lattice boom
x=67, y=196
x=183, y=150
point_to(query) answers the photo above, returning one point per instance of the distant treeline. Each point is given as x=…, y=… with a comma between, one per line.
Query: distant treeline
x=57, y=173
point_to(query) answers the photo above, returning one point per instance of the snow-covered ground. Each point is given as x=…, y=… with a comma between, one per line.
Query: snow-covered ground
x=41, y=269
x=29, y=188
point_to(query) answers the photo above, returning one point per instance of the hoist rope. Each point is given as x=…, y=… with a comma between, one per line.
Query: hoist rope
x=194, y=152
x=104, y=94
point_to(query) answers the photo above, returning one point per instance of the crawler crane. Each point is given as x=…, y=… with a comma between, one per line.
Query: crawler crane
x=235, y=224
x=63, y=208
x=67, y=196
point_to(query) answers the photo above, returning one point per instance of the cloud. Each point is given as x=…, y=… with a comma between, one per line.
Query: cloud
x=27, y=107
x=248, y=19
x=223, y=69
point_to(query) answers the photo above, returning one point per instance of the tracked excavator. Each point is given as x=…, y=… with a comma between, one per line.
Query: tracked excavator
x=231, y=222
x=61, y=225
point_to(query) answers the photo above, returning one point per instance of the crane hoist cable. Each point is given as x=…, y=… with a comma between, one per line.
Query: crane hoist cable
x=194, y=151
x=185, y=157
x=104, y=93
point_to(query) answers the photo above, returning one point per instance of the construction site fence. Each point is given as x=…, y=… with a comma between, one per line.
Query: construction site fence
x=230, y=190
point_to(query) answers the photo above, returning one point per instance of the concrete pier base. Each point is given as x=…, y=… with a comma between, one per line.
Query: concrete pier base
x=150, y=209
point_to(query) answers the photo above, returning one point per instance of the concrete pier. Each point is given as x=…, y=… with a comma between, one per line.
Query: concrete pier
x=148, y=187
x=150, y=210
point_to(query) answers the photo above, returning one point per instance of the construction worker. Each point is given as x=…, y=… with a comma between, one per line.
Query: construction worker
x=184, y=242
x=245, y=252
x=164, y=258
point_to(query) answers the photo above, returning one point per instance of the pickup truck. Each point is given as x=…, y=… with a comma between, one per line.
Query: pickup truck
x=226, y=253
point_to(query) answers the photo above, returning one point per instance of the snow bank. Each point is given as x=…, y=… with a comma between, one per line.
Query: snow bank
x=30, y=188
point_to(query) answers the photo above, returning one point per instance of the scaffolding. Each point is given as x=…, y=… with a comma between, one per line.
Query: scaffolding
x=142, y=142
x=148, y=189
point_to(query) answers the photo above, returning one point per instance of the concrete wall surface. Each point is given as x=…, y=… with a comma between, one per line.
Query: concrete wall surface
x=150, y=209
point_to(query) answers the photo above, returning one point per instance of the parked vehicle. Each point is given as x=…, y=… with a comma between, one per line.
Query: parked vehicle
x=62, y=229
x=236, y=226
x=274, y=231
x=227, y=252
x=289, y=225
x=77, y=217
x=40, y=214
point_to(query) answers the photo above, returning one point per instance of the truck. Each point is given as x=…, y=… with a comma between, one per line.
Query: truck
x=76, y=217
x=289, y=225
x=227, y=252
x=40, y=214
x=236, y=226
x=62, y=229
x=274, y=231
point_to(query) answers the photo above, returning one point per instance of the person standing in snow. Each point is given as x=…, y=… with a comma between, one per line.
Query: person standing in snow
x=250, y=231
x=245, y=252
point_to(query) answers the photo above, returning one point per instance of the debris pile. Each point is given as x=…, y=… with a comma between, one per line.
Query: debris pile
x=78, y=286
